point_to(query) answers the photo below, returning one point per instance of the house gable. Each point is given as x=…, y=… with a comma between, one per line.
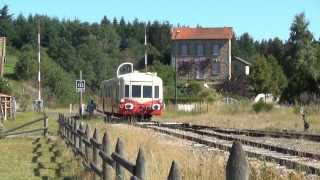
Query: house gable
x=202, y=53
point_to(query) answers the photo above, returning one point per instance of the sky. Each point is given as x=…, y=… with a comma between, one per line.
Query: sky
x=262, y=19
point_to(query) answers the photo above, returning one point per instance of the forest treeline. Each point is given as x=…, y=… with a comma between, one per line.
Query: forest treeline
x=286, y=68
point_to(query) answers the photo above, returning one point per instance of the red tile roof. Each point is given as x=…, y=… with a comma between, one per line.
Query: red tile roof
x=201, y=33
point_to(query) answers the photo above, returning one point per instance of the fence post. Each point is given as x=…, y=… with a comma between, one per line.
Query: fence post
x=237, y=166
x=140, y=168
x=86, y=148
x=45, y=125
x=64, y=127
x=71, y=132
x=75, y=134
x=120, y=151
x=80, y=138
x=174, y=173
x=59, y=124
x=106, y=148
x=95, y=152
x=68, y=132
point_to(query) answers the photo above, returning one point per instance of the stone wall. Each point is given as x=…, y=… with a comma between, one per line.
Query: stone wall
x=192, y=66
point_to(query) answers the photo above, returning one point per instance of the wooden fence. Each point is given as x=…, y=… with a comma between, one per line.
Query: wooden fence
x=15, y=132
x=98, y=158
x=187, y=105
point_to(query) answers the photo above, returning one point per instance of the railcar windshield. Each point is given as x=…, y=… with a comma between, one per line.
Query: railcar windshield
x=147, y=91
x=136, y=91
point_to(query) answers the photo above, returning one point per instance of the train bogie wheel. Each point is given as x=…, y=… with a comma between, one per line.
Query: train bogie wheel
x=147, y=117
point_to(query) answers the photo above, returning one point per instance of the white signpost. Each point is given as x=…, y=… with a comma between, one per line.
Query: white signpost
x=80, y=85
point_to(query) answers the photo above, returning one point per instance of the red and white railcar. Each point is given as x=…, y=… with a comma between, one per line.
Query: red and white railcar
x=132, y=94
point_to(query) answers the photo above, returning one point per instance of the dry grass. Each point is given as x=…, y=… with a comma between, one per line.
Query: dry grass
x=241, y=116
x=194, y=162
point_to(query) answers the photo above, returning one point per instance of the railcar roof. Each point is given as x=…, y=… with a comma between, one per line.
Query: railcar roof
x=137, y=76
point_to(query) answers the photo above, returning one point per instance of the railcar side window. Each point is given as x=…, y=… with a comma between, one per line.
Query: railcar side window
x=126, y=91
x=136, y=91
x=156, y=91
x=147, y=91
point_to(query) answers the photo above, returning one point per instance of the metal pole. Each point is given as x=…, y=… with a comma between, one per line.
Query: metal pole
x=145, y=49
x=3, y=54
x=80, y=105
x=175, y=78
x=39, y=75
x=175, y=66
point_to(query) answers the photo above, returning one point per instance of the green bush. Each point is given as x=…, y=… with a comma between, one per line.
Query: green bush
x=5, y=87
x=261, y=106
x=209, y=95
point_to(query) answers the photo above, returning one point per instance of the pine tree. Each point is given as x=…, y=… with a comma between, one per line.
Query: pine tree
x=302, y=64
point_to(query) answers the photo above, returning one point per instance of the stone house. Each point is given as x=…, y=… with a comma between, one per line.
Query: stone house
x=202, y=53
x=239, y=67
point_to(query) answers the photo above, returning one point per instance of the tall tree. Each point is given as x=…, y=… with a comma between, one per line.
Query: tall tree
x=302, y=64
x=267, y=76
x=5, y=21
x=247, y=47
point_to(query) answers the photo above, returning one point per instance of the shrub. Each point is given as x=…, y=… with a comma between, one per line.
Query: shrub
x=5, y=87
x=209, y=95
x=261, y=106
x=24, y=101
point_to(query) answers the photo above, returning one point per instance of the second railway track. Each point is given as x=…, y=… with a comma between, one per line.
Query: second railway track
x=292, y=159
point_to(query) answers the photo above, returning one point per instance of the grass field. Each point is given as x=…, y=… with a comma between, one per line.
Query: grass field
x=11, y=61
x=36, y=157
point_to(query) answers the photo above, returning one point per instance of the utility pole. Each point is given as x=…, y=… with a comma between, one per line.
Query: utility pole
x=39, y=75
x=2, y=54
x=38, y=103
x=175, y=66
x=145, y=49
x=80, y=105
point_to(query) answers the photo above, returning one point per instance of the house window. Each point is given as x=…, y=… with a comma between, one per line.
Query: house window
x=215, y=50
x=200, y=68
x=199, y=50
x=216, y=68
x=184, y=50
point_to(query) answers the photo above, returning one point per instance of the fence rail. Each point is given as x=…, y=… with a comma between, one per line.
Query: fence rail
x=98, y=158
x=15, y=132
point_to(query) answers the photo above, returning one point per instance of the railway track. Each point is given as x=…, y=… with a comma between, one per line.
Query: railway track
x=255, y=133
x=222, y=138
x=292, y=159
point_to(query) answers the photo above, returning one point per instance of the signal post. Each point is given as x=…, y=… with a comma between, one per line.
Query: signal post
x=80, y=87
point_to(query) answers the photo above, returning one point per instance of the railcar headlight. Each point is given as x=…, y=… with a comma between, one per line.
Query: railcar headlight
x=122, y=100
x=156, y=106
x=128, y=106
